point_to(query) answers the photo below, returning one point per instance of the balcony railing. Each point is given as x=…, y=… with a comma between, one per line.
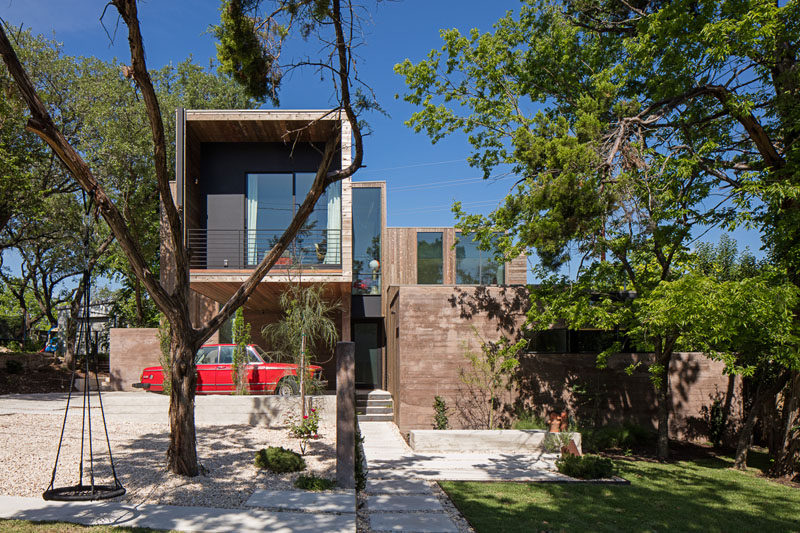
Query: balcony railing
x=242, y=249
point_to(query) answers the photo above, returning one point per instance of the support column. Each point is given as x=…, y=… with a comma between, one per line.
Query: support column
x=345, y=414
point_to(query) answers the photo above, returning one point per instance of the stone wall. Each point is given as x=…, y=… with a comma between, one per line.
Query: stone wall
x=131, y=351
x=429, y=329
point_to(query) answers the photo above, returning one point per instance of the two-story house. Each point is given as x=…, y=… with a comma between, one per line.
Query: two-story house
x=413, y=300
x=240, y=177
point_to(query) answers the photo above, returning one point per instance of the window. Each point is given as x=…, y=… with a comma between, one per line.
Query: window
x=366, y=240
x=273, y=200
x=206, y=356
x=475, y=266
x=225, y=355
x=429, y=258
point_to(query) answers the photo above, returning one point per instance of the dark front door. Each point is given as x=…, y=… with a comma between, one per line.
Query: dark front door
x=369, y=342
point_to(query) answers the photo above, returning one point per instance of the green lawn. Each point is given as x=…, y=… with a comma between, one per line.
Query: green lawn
x=701, y=495
x=23, y=526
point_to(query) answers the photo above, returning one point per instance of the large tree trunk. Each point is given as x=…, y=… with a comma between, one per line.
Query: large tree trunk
x=746, y=433
x=664, y=400
x=787, y=463
x=182, y=454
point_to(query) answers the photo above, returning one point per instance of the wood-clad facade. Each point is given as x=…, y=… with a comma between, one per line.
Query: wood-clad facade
x=218, y=153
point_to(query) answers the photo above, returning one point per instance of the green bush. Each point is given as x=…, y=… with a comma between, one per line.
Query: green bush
x=529, y=420
x=586, y=467
x=440, y=418
x=279, y=460
x=627, y=436
x=360, y=473
x=314, y=483
x=14, y=367
x=553, y=442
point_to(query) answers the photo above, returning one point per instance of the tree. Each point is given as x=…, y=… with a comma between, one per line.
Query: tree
x=173, y=300
x=305, y=327
x=487, y=372
x=630, y=124
x=241, y=336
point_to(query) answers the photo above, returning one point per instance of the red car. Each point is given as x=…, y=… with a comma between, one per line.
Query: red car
x=215, y=372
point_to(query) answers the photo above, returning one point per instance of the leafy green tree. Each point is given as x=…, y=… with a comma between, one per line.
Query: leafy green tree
x=328, y=24
x=305, y=331
x=488, y=372
x=241, y=336
x=630, y=124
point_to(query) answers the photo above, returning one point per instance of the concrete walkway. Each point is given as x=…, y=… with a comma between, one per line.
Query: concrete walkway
x=399, y=492
x=182, y=518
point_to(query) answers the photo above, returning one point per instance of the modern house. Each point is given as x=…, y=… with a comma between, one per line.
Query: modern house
x=414, y=300
x=241, y=175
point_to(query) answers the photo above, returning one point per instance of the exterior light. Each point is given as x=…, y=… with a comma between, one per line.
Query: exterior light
x=374, y=264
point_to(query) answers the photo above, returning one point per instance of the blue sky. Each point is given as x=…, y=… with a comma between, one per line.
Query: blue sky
x=422, y=179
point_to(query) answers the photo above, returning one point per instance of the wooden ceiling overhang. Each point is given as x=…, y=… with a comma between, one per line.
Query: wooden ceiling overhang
x=266, y=297
x=259, y=125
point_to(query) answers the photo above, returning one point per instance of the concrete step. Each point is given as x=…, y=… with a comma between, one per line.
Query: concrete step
x=373, y=395
x=376, y=418
x=375, y=403
x=371, y=410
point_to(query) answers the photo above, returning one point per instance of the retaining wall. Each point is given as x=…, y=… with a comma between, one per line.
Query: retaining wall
x=429, y=329
x=131, y=350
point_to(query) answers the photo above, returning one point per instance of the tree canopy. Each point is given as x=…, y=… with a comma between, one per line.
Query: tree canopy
x=632, y=127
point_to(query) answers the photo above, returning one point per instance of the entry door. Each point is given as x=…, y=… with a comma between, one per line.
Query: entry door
x=367, y=337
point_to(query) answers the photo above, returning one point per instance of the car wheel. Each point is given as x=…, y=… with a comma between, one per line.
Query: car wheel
x=287, y=387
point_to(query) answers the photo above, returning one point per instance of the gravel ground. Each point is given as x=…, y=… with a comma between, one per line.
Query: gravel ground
x=28, y=445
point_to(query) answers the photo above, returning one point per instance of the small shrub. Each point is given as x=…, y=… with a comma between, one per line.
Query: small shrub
x=14, y=367
x=306, y=429
x=314, y=483
x=553, y=442
x=279, y=460
x=717, y=422
x=14, y=346
x=529, y=420
x=360, y=473
x=627, y=436
x=586, y=467
x=440, y=418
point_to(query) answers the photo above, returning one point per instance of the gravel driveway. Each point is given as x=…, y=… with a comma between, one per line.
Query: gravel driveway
x=229, y=432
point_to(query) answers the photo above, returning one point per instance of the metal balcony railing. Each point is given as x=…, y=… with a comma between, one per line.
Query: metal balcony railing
x=242, y=249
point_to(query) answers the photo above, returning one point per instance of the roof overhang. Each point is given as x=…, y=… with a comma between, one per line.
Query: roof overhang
x=262, y=125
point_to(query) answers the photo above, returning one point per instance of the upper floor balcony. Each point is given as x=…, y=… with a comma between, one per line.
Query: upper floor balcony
x=241, y=177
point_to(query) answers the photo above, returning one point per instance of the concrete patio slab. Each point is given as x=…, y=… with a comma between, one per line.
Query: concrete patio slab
x=398, y=486
x=174, y=517
x=412, y=523
x=299, y=500
x=404, y=502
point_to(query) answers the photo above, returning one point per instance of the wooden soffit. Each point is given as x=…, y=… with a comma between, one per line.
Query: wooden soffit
x=258, y=125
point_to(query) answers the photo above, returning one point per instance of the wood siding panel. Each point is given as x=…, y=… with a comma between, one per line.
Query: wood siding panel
x=517, y=271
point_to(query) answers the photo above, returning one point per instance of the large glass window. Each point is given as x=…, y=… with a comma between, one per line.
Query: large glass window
x=273, y=200
x=429, y=258
x=475, y=266
x=366, y=240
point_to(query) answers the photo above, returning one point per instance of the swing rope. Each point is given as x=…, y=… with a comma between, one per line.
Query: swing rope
x=81, y=492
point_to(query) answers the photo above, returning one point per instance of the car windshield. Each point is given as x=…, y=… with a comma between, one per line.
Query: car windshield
x=262, y=354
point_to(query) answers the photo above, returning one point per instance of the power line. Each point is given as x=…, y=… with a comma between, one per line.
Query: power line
x=448, y=207
x=432, y=163
x=440, y=184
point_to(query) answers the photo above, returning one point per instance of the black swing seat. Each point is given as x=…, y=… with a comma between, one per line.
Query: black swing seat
x=83, y=493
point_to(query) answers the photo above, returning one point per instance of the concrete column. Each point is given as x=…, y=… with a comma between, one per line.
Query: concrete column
x=345, y=414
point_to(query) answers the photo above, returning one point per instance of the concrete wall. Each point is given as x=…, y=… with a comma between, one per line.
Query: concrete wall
x=430, y=328
x=131, y=351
